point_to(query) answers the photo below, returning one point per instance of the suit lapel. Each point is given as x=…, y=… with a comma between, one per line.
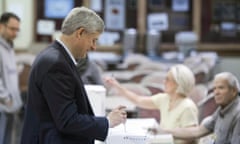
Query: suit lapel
x=76, y=75
x=83, y=91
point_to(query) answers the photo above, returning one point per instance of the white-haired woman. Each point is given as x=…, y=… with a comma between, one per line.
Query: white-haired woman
x=177, y=110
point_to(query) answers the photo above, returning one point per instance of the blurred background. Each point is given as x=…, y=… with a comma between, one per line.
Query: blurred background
x=142, y=39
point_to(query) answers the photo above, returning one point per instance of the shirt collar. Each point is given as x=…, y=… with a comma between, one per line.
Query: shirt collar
x=67, y=50
x=5, y=43
x=229, y=106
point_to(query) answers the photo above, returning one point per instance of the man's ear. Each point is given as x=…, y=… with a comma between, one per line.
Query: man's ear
x=235, y=90
x=80, y=32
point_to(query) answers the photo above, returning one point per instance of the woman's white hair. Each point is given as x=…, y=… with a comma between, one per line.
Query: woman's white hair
x=184, y=78
x=82, y=17
x=231, y=79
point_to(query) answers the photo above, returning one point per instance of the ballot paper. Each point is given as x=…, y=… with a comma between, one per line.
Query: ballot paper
x=135, y=138
x=136, y=133
x=160, y=139
x=126, y=138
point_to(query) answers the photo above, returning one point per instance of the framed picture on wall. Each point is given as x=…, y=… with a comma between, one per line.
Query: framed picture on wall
x=180, y=5
x=114, y=14
x=57, y=9
x=158, y=21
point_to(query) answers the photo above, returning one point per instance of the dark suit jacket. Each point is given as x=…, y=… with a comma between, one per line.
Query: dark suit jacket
x=58, y=110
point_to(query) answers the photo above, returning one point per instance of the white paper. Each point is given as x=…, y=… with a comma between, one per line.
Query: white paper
x=96, y=5
x=180, y=5
x=45, y=27
x=136, y=133
x=123, y=138
x=115, y=14
x=158, y=21
x=97, y=97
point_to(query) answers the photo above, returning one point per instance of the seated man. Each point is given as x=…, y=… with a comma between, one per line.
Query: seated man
x=225, y=122
x=89, y=71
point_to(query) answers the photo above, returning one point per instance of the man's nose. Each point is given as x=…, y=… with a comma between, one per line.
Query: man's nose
x=215, y=91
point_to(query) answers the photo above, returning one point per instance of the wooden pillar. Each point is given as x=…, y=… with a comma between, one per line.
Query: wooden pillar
x=86, y=3
x=196, y=17
x=141, y=24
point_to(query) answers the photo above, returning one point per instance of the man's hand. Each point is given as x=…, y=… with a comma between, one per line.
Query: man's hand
x=117, y=116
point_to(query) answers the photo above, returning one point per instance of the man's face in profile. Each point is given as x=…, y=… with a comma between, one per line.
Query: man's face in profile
x=223, y=92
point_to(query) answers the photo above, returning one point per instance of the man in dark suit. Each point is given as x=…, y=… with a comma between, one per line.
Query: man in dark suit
x=58, y=110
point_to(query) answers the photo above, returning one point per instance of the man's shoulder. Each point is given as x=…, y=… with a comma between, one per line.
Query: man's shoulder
x=48, y=58
x=4, y=44
x=237, y=110
x=50, y=53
